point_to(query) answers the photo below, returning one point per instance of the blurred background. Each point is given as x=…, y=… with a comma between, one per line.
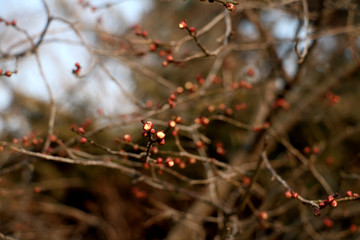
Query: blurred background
x=312, y=107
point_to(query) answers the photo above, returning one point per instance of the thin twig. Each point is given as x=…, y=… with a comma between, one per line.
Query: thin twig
x=283, y=182
x=302, y=55
x=52, y=114
x=3, y=237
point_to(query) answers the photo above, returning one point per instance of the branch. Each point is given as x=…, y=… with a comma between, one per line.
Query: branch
x=302, y=55
x=284, y=183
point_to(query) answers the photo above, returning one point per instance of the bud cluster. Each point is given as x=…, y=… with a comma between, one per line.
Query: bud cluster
x=204, y=121
x=169, y=59
x=8, y=22
x=6, y=73
x=152, y=134
x=332, y=98
x=140, y=32
x=28, y=141
x=308, y=150
x=281, y=103
x=291, y=194
x=184, y=25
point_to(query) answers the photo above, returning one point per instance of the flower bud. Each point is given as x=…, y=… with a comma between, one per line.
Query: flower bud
x=183, y=24
x=147, y=126
x=160, y=135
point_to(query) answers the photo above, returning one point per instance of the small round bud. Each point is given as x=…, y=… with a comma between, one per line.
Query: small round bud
x=37, y=189
x=170, y=162
x=307, y=150
x=152, y=47
x=53, y=138
x=182, y=165
x=211, y=108
x=353, y=228
x=192, y=160
x=162, y=53
x=170, y=58
x=330, y=198
x=159, y=160
x=171, y=103
x=199, y=144
x=316, y=150
x=83, y=140
x=333, y=203
x=328, y=223
x=349, y=194
x=200, y=79
x=138, y=31
x=221, y=151
x=147, y=126
x=179, y=90
x=322, y=205
x=154, y=150
x=229, y=111
x=295, y=195
x=35, y=142
x=288, y=194
x=246, y=181
x=127, y=138
x=183, y=24
x=230, y=6
x=178, y=119
x=172, y=97
x=136, y=147
x=144, y=34
x=160, y=135
x=81, y=130
x=8, y=73
x=192, y=29
x=172, y=124
x=205, y=121
x=146, y=165
x=263, y=215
